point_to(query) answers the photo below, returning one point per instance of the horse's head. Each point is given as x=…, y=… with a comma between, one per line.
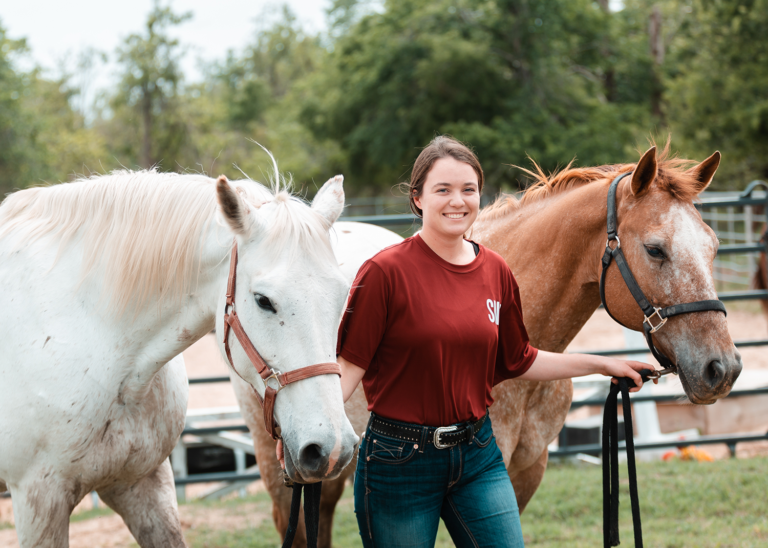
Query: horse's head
x=670, y=252
x=289, y=297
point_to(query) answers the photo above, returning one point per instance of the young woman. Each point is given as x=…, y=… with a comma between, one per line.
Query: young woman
x=432, y=324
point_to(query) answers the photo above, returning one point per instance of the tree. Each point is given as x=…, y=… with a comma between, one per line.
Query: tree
x=150, y=83
x=42, y=139
x=511, y=77
x=716, y=89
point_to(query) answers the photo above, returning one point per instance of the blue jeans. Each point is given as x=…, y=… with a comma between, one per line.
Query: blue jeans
x=402, y=490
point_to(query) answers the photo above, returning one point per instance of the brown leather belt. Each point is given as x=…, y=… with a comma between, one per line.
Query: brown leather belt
x=441, y=436
x=274, y=380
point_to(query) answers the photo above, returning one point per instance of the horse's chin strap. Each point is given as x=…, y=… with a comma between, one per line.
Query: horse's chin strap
x=654, y=317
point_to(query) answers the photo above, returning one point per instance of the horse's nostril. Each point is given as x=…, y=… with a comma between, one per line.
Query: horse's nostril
x=714, y=374
x=312, y=457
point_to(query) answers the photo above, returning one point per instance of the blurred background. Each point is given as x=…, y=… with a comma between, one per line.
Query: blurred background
x=358, y=86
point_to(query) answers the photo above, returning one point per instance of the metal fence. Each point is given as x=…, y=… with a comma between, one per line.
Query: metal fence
x=741, y=232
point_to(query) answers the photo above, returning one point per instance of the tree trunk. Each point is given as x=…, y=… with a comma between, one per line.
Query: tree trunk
x=609, y=82
x=146, y=145
x=657, y=56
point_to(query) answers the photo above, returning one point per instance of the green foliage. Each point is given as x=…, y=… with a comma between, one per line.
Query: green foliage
x=19, y=147
x=513, y=78
x=149, y=88
x=717, y=86
x=549, y=79
x=42, y=138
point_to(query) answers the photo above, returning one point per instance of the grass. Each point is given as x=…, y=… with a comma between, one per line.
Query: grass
x=720, y=504
x=89, y=514
x=684, y=504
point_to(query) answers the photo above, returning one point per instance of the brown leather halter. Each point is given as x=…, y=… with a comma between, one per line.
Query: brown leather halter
x=267, y=374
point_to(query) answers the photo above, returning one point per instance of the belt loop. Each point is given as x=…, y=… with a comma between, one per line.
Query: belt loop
x=368, y=426
x=471, y=432
x=424, y=437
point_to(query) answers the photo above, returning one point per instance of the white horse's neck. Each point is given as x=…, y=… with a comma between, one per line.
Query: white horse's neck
x=158, y=334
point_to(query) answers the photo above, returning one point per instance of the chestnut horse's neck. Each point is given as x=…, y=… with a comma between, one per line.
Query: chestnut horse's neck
x=553, y=247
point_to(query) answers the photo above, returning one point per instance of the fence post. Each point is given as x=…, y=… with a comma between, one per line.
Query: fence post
x=240, y=468
x=179, y=466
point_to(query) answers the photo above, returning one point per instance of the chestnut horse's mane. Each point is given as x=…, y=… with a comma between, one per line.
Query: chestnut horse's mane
x=673, y=177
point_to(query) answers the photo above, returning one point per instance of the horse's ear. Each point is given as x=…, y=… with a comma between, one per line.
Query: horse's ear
x=233, y=208
x=705, y=171
x=645, y=172
x=329, y=201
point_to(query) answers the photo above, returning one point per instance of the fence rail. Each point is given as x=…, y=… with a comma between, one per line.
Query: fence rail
x=748, y=198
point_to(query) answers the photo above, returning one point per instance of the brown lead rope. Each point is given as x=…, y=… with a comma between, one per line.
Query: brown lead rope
x=611, y=462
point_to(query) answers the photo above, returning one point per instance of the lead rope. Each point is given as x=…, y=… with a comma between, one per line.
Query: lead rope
x=611, y=462
x=311, y=513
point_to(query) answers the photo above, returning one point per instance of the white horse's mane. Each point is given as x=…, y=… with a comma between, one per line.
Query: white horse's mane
x=145, y=229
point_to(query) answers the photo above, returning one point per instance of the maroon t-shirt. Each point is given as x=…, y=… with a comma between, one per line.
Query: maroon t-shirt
x=433, y=337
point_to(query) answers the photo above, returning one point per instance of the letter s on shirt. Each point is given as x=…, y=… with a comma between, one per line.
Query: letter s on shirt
x=494, y=308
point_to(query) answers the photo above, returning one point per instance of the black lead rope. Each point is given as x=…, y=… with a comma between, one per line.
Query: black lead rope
x=311, y=513
x=611, y=462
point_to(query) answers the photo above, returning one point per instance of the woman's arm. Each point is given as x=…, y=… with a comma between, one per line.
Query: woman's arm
x=550, y=366
x=351, y=375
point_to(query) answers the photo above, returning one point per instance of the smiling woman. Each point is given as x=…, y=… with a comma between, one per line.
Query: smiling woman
x=432, y=324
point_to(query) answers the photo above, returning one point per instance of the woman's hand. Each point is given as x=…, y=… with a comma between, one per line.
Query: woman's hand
x=627, y=368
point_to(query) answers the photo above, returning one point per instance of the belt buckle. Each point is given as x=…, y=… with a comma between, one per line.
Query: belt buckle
x=441, y=430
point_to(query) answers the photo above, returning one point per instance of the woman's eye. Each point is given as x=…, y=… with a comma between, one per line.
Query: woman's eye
x=265, y=304
x=654, y=252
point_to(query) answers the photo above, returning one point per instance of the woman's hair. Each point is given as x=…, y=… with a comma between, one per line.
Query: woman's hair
x=441, y=146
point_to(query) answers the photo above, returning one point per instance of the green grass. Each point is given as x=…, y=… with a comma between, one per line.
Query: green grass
x=88, y=514
x=720, y=504
x=683, y=504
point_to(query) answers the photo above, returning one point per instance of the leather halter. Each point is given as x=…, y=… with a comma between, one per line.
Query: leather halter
x=274, y=380
x=649, y=311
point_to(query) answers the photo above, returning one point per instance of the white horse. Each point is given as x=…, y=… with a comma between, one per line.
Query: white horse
x=102, y=282
x=353, y=243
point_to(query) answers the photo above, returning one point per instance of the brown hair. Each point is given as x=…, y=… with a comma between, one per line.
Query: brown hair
x=441, y=146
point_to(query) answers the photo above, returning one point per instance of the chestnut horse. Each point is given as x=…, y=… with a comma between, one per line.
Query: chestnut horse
x=553, y=239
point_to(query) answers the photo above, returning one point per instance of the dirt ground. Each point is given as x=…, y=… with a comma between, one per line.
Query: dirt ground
x=204, y=360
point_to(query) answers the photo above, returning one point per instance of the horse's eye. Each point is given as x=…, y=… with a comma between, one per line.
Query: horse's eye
x=265, y=304
x=654, y=252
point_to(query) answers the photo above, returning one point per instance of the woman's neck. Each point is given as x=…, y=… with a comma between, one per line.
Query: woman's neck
x=452, y=249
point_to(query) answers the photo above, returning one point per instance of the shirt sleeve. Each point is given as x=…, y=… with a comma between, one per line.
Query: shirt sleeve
x=365, y=318
x=515, y=355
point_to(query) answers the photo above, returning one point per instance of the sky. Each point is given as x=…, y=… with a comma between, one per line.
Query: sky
x=55, y=29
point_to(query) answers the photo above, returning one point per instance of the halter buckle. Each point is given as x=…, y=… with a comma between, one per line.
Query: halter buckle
x=662, y=321
x=274, y=375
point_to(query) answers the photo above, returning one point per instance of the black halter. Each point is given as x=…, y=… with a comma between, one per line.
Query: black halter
x=650, y=313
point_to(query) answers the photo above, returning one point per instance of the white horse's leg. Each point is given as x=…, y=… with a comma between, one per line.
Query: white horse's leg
x=41, y=509
x=149, y=508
